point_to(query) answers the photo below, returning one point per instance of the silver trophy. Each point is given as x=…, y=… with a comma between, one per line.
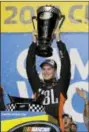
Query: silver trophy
x=49, y=18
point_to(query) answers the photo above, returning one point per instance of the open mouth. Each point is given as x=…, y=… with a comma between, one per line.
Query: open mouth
x=65, y=122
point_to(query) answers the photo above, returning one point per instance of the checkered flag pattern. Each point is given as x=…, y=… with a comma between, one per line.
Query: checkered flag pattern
x=36, y=108
x=31, y=107
x=11, y=107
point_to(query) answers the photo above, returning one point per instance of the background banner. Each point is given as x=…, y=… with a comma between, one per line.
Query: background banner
x=18, y=15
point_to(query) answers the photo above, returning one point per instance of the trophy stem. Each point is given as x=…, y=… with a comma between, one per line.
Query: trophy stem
x=44, y=51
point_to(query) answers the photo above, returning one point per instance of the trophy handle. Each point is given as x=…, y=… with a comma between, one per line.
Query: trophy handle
x=62, y=20
x=59, y=24
x=34, y=18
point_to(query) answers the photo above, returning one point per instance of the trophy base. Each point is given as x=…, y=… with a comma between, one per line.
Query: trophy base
x=44, y=51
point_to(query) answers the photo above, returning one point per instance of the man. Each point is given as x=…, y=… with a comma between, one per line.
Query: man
x=74, y=127
x=67, y=121
x=55, y=91
x=83, y=94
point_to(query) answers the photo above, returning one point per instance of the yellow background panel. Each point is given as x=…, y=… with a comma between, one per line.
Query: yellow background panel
x=17, y=15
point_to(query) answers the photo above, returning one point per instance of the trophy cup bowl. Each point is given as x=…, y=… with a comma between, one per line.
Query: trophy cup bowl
x=48, y=18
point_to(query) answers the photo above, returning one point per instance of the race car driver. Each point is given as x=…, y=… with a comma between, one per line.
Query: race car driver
x=55, y=90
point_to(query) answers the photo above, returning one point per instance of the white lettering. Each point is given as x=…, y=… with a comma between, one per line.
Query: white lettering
x=76, y=62
x=21, y=63
x=53, y=99
x=22, y=89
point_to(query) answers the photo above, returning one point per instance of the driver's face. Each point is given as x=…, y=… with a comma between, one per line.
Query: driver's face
x=67, y=122
x=48, y=72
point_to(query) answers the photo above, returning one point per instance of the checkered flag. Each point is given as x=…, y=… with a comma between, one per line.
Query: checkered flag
x=25, y=106
x=36, y=108
x=11, y=107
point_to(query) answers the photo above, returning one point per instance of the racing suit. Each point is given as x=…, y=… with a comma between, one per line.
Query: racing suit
x=55, y=90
